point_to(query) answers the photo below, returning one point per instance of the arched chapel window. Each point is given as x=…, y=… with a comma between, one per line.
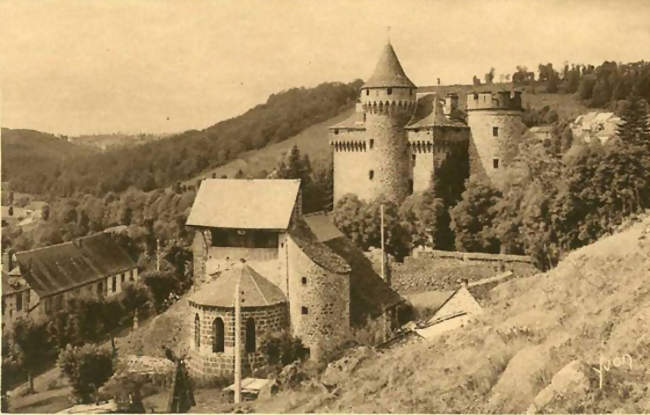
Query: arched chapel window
x=217, y=335
x=250, y=336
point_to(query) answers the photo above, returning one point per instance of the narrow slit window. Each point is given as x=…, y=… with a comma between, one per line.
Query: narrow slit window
x=495, y=131
x=303, y=310
x=371, y=174
x=304, y=280
x=495, y=163
x=389, y=91
x=372, y=143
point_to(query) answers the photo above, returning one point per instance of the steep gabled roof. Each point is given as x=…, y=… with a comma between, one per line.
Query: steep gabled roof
x=256, y=290
x=61, y=267
x=303, y=235
x=388, y=72
x=429, y=113
x=244, y=204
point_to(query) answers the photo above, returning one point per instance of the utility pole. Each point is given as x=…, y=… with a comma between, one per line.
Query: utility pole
x=158, y=254
x=238, y=342
x=383, y=254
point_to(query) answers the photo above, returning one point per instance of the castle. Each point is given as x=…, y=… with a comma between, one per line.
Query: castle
x=399, y=138
x=294, y=272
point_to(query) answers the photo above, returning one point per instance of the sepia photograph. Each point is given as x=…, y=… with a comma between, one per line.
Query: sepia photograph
x=372, y=206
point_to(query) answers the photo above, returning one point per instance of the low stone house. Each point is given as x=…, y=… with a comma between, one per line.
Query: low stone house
x=94, y=265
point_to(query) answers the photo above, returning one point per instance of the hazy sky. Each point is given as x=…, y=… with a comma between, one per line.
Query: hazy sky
x=161, y=66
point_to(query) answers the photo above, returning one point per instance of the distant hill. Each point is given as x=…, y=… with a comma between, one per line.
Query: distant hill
x=163, y=162
x=114, y=141
x=28, y=155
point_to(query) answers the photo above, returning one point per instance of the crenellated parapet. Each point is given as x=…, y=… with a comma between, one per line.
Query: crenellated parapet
x=349, y=145
x=404, y=107
x=499, y=100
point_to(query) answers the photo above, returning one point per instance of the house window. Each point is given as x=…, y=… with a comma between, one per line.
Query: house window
x=250, y=336
x=389, y=91
x=372, y=143
x=495, y=163
x=114, y=284
x=303, y=310
x=371, y=174
x=304, y=280
x=132, y=274
x=123, y=278
x=197, y=331
x=27, y=299
x=217, y=335
x=495, y=131
x=100, y=289
x=19, y=302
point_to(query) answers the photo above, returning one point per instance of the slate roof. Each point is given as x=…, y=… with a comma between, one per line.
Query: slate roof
x=256, y=290
x=429, y=113
x=303, y=235
x=388, y=72
x=353, y=122
x=244, y=204
x=369, y=294
x=61, y=267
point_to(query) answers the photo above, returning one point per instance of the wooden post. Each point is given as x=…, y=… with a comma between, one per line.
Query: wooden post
x=157, y=254
x=383, y=255
x=237, y=343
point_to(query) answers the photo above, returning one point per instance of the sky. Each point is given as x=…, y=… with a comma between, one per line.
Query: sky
x=81, y=67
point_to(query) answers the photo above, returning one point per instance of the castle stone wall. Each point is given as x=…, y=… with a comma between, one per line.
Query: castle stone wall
x=319, y=305
x=351, y=151
x=489, y=148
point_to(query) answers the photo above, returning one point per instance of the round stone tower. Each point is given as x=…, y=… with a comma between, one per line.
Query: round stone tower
x=388, y=100
x=496, y=129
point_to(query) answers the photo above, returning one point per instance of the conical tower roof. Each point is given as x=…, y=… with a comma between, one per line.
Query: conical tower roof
x=388, y=72
x=256, y=291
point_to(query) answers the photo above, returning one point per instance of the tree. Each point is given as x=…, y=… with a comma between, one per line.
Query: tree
x=472, y=218
x=32, y=340
x=87, y=368
x=489, y=77
x=426, y=219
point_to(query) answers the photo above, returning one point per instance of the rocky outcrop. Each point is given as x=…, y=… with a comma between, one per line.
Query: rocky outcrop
x=570, y=382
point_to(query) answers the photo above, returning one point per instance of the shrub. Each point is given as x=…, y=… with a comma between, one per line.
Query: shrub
x=87, y=368
x=161, y=284
x=282, y=348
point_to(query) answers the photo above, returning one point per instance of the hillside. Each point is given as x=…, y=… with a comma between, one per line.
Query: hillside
x=549, y=329
x=163, y=162
x=114, y=141
x=312, y=141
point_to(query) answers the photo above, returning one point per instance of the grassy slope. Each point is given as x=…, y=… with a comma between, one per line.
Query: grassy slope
x=596, y=301
x=312, y=140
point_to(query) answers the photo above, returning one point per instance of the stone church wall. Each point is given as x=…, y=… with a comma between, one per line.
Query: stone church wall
x=204, y=363
x=319, y=303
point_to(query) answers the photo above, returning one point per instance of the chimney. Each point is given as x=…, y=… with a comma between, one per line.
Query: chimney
x=6, y=261
x=464, y=283
x=451, y=103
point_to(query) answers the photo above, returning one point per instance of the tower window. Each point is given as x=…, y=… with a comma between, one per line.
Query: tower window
x=410, y=92
x=371, y=174
x=389, y=91
x=367, y=92
x=304, y=280
x=303, y=310
x=372, y=143
x=495, y=163
x=413, y=157
x=197, y=331
x=336, y=132
x=495, y=131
